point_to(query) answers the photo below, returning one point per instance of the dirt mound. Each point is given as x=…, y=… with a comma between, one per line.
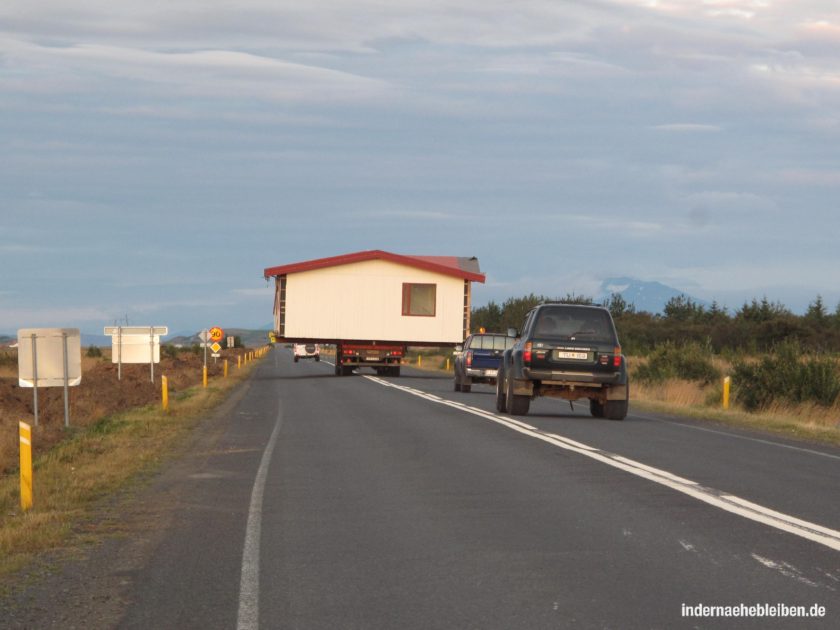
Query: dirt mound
x=99, y=394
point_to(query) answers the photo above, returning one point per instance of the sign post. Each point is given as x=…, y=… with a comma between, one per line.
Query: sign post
x=204, y=335
x=34, y=378
x=66, y=380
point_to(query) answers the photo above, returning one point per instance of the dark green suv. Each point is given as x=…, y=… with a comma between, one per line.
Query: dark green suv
x=565, y=351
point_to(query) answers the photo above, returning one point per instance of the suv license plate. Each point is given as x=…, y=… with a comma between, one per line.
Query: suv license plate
x=579, y=356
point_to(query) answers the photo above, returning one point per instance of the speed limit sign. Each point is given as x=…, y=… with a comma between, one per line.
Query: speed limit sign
x=216, y=333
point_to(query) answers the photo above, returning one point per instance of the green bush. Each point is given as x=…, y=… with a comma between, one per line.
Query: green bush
x=689, y=361
x=786, y=375
x=8, y=358
x=93, y=351
x=169, y=351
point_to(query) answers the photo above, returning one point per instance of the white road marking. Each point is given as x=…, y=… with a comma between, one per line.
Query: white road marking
x=248, y=617
x=788, y=570
x=728, y=502
x=686, y=545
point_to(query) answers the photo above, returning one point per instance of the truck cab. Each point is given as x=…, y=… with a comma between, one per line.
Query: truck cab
x=477, y=361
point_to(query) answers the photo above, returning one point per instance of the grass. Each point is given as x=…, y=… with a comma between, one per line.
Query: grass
x=95, y=462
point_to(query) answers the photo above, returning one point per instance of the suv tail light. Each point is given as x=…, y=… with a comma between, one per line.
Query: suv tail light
x=611, y=359
x=469, y=358
x=526, y=354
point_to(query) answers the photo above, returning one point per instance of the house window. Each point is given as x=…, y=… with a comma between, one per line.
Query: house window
x=419, y=299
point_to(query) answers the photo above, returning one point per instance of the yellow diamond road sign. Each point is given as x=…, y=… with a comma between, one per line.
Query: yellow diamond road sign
x=215, y=347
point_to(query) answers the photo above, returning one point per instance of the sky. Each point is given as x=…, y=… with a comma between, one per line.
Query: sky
x=155, y=157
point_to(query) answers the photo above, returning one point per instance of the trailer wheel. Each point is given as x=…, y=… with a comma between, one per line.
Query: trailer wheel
x=596, y=409
x=395, y=371
x=338, y=370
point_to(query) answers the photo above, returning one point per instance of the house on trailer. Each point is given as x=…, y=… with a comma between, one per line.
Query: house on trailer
x=375, y=296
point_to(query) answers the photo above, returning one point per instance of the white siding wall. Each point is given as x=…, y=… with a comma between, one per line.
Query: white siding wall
x=364, y=301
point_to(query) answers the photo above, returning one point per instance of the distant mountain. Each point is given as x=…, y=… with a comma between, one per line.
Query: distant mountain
x=250, y=337
x=647, y=296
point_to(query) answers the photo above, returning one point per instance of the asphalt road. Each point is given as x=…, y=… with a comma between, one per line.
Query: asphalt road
x=314, y=501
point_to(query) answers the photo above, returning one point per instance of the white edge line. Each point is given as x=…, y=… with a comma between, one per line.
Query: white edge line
x=248, y=617
x=730, y=503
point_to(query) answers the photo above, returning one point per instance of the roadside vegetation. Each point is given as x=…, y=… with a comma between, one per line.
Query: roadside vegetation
x=93, y=461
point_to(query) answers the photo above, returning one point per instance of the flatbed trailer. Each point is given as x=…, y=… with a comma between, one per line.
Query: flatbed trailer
x=385, y=357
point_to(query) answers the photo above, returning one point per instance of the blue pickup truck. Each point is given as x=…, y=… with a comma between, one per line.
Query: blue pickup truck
x=478, y=360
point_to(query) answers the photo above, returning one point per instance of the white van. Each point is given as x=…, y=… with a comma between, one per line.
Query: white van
x=307, y=351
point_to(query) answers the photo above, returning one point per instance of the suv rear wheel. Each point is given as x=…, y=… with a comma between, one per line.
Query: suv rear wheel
x=516, y=405
x=500, y=391
x=615, y=409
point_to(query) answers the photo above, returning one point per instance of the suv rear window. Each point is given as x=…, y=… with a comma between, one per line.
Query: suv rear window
x=582, y=324
x=492, y=342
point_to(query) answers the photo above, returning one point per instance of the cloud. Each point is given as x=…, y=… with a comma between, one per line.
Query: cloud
x=265, y=292
x=224, y=74
x=688, y=127
x=14, y=318
x=812, y=177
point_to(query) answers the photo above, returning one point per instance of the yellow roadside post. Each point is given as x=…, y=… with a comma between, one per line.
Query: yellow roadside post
x=226, y=367
x=204, y=376
x=419, y=360
x=238, y=361
x=25, y=466
x=447, y=364
x=164, y=392
x=726, y=384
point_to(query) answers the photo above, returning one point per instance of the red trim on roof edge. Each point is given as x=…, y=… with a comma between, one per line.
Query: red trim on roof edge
x=421, y=262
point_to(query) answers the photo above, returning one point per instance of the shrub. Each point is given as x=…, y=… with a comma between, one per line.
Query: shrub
x=93, y=352
x=786, y=375
x=690, y=361
x=169, y=351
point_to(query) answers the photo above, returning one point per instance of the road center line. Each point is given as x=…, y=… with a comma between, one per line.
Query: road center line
x=728, y=502
x=248, y=617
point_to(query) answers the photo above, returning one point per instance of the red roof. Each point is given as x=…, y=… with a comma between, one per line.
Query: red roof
x=466, y=268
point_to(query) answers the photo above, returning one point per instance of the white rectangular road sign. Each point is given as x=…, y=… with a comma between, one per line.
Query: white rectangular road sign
x=49, y=358
x=135, y=344
x=135, y=349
